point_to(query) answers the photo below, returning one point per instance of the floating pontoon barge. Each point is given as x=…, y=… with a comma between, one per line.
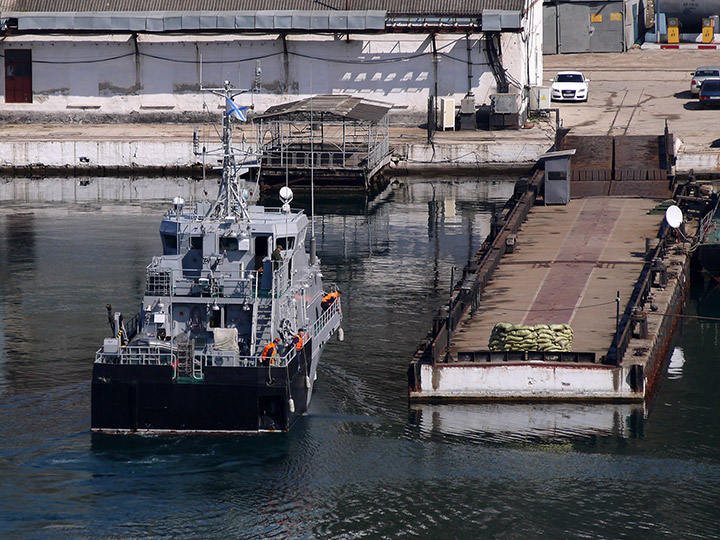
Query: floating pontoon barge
x=606, y=264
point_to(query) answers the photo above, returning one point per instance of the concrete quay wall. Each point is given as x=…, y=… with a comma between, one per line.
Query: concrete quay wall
x=109, y=156
x=93, y=154
x=27, y=150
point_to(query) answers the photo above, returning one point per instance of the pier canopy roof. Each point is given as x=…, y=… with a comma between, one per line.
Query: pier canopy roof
x=335, y=106
x=261, y=15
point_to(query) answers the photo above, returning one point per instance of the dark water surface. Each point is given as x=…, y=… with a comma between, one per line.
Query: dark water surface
x=362, y=463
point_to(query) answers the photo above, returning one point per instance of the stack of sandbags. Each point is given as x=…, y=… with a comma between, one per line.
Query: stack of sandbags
x=541, y=337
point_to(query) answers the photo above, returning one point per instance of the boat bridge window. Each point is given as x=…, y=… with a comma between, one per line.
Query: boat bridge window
x=196, y=242
x=286, y=242
x=170, y=244
x=228, y=243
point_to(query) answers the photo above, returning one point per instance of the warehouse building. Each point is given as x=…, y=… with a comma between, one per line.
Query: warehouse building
x=145, y=59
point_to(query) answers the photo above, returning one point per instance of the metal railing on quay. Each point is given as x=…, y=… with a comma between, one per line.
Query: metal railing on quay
x=468, y=296
x=319, y=159
x=633, y=315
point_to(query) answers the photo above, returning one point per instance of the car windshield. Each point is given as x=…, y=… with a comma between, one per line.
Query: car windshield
x=569, y=77
x=707, y=73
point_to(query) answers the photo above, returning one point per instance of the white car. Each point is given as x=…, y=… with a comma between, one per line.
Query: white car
x=699, y=75
x=569, y=86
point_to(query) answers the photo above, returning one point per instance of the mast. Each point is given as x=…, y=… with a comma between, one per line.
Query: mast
x=313, y=246
x=231, y=203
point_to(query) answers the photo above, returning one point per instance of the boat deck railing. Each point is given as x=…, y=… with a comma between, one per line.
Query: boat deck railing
x=326, y=317
x=213, y=357
x=167, y=281
x=152, y=355
x=138, y=355
x=706, y=226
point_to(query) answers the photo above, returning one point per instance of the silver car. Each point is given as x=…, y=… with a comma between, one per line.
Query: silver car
x=699, y=75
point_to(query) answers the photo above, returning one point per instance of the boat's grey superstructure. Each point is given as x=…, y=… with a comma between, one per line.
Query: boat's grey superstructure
x=232, y=324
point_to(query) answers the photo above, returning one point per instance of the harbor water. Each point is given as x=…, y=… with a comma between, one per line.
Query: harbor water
x=363, y=463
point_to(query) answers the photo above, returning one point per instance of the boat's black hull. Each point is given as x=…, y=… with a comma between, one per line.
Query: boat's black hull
x=709, y=258
x=147, y=399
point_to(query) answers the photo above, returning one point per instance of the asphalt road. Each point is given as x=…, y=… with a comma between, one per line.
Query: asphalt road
x=636, y=92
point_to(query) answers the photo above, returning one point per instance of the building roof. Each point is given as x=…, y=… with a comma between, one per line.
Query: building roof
x=392, y=7
x=316, y=16
x=340, y=105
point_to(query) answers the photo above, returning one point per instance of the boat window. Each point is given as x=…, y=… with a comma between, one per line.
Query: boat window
x=196, y=242
x=286, y=243
x=228, y=243
x=169, y=243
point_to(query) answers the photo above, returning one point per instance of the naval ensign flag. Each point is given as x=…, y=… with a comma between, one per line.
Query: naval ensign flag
x=234, y=111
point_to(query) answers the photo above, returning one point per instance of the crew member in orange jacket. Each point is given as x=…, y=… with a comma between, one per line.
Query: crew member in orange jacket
x=329, y=298
x=270, y=352
x=299, y=340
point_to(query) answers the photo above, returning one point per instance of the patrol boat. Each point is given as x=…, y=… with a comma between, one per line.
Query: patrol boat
x=192, y=359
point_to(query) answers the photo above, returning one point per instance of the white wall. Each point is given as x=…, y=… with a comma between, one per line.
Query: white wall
x=395, y=68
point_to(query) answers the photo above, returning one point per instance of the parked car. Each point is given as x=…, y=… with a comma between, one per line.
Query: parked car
x=700, y=74
x=569, y=86
x=710, y=92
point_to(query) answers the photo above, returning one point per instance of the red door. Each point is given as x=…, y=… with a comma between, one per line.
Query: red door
x=18, y=76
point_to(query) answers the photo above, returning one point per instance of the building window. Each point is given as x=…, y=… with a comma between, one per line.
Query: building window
x=18, y=76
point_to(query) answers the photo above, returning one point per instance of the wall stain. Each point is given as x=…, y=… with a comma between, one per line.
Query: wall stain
x=53, y=92
x=108, y=89
x=185, y=88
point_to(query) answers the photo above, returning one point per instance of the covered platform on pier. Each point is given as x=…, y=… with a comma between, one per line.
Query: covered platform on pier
x=342, y=139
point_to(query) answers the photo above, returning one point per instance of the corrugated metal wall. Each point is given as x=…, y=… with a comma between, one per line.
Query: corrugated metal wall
x=575, y=27
x=420, y=7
